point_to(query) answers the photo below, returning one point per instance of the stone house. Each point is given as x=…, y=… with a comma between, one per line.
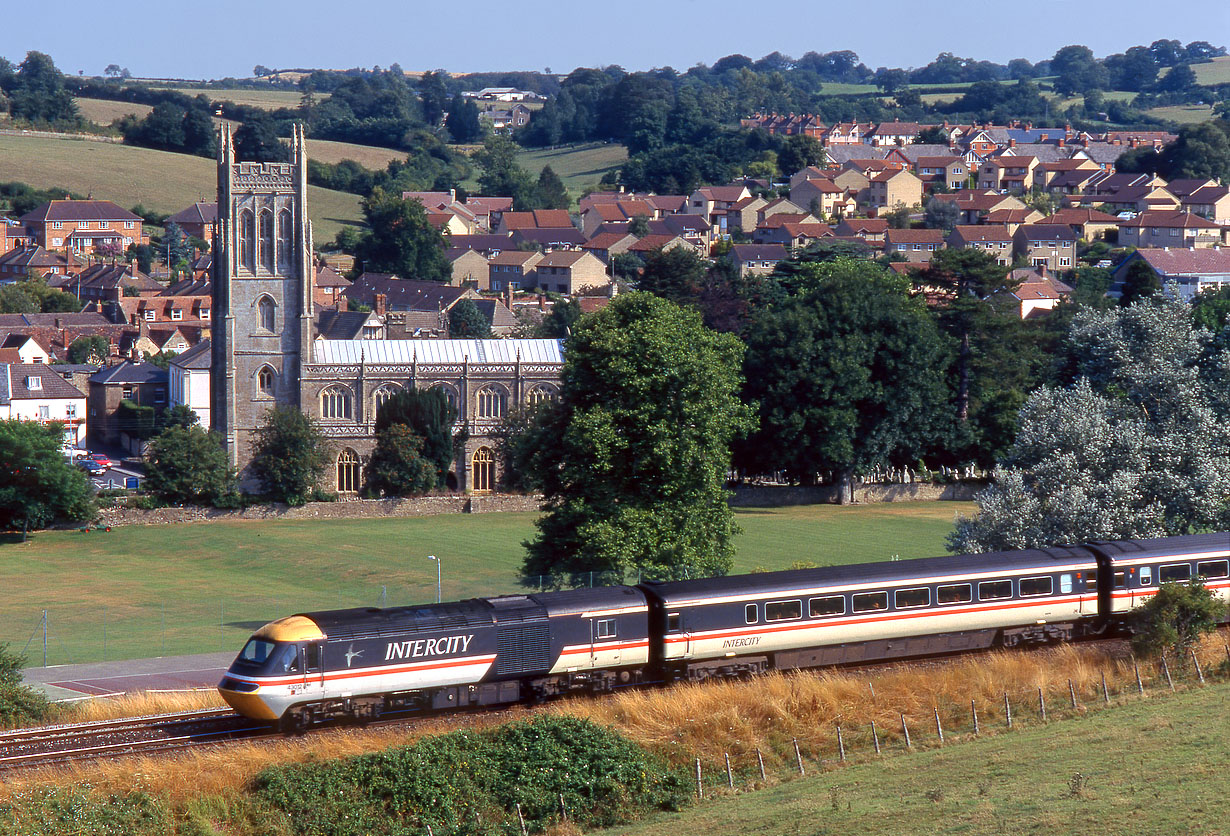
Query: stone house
x=142, y=384
x=917, y=245
x=757, y=259
x=949, y=171
x=570, y=271
x=995, y=240
x=1193, y=270
x=513, y=269
x=1088, y=224
x=894, y=190
x=713, y=202
x=1170, y=229
x=470, y=268
x=1052, y=246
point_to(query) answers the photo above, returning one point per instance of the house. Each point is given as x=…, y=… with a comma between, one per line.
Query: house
x=499, y=316
x=105, y=282
x=615, y=212
x=34, y=392
x=917, y=245
x=1012, y=218
x=28, y=349
x=405, y=294
x=823, y=196
x=892, y=134
x=515, y=269
x=59, y=331
x=1008, y=173
x=507, y=120
x=197, y=220
x=607, y=244
x=469, y=268
x=792, y=233
x=537, y=219
x=846, y=133
x=1194, y=270
x=188, y=380
x=483, y=243
x=1052, y=246
x=742, y=215
x=976, y=203
x=83, y=226
x=713, y=202
x=549, y=238
x=949, y=171
x=869, y=229
x=804, y=124
x=1170, y=229
x=487, y=210
x=451, y=223
x=1209, y=202
x=141, y=384
x=1088, y=224
x=757, y=259
x=664, y=242
x=995, y=240
x=327, y=287
x=570, y=272
x=894, y=190
x=26, y=259
x=353, y=325
x=1038, y=293
x=1067, y=176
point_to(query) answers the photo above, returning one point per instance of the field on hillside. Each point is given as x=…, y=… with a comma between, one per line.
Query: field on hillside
x=105, y=111
x=369, y=156
x=164, y=590
x=268, y=99
x=1183, y=114
x=579, y=166
x=1216, y=71
x=129, y=175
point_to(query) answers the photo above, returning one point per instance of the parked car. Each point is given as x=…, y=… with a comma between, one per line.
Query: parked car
x=92, y=467
x=103, y=460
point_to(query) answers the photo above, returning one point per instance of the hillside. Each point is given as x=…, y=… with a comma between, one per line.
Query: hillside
x=158, y=180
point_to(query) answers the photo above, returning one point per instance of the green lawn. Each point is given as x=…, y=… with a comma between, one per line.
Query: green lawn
x=1183, y=114
x=164, y=590
x=1153, y=766
x=158, y=180
x=579, y=166
x=267, y=99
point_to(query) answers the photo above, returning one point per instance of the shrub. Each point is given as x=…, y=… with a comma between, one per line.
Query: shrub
x=1174, y=619
x=19, y=705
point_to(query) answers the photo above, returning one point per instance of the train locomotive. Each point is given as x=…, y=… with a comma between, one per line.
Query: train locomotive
x=361, y=663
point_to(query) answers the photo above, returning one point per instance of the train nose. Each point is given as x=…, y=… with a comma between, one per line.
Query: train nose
x=244, y=698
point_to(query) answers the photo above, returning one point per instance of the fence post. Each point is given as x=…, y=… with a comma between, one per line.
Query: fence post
x=871, y=685
x=1140, y=686
x=760, y=761
x=730, y=776
x=798, y=756
x=1072, y=694
x=1041, y=704
x=875, y=736
x=905, y=731
x=1007, y=710
x=1196, y=662
x=1166, y=670
x=1105, y=692
x=939, y=729
x=429, y=831
x=104, y=614
x=563, y=810
x=973, y=710
x=700, y=789
x=841, y=744
x=521, y=820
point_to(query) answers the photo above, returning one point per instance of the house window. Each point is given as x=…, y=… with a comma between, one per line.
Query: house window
x=127, y=393
x=128, y=225
x=70, y=411
x=84, y=225
x=348, y=472
x=34, y=383
x=44, y=413
x=264, y=381
x=176, y=313
x=57, y=225
x=492, y=402
x=335, y=403
x=267, y=308
x=150, y=315
x=204, y=313
x=104, y=224
x=483, y=470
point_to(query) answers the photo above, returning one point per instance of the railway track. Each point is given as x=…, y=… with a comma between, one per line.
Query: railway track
x=138, y=735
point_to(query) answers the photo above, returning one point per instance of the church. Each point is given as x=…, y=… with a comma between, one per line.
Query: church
x=267, y=349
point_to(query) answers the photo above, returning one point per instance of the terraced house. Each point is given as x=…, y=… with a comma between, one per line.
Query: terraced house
x=83, y=226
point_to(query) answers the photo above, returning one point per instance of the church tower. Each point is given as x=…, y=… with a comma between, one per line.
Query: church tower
x=262, y=292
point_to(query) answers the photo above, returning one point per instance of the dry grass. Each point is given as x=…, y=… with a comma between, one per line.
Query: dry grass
x=140, y=704
x=105, y=111
x=368, y=156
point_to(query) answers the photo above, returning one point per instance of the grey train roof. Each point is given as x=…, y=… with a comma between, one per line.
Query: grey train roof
x=1136, y=549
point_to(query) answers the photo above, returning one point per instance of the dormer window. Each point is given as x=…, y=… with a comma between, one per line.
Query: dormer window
x=176, y=313
x=34, y=383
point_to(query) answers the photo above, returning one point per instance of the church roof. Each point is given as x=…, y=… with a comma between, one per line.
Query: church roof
x=437, y=351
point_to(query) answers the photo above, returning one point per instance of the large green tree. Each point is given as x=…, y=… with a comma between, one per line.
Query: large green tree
x=290, y=455
x=466, y=322
x=502, y=175
x=1173, y=620
x=462, y=121
x=849, y=374
x=38, y=485
x=633, y=455
x=550, y=192
x=401, y=240
x=39, y=94
x=189, y=464
x=430, y=416
x=398, y=466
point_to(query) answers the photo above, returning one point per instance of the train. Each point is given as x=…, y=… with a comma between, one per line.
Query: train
x=359, y=664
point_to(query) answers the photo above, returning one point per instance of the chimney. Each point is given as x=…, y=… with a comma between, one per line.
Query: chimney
x=1061, y=142
x=1042, y=270
x=1011, y=143
x=1133, y=143
x=1044, y=138
x=508, y=293
x=379, y=303
x=542, y=302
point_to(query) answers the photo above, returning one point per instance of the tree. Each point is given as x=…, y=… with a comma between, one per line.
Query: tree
x=466, y=322
x=37, y=483
x=1173, y=620
x=14, y=299
x=19, y=703
x=290, y=455
x=890, y=81
x=398, y=466
x=550, y=192
x=675, y=274
x=430, y=417
x=941, y=214
x=93, y=350
x=559, y=323
x=1211, y=309
x=933, y=135
x=1200, y=151
x=898, y=218
x=1179, y=78
x=256, y=140
x=400, y=239
x=1134, y=70
x=849, y=374
x=1078, y=71
x=1137, y=445
x=501, y=175
x=633, y=456
x=433, y=97
x=1141, y=282
x=189, y=465
x=462, y=121
x=638, y=225
x=39, y=93
x=175, y=245
x=798, y=153
x=180, y=415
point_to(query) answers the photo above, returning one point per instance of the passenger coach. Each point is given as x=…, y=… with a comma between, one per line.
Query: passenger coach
x=1135, y=569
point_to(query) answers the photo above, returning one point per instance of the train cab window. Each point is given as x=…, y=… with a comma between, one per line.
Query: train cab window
x=605, y=628
x=311, y=655
x=288, y=660
x=954, y=593
x=1091, y=583
x=1065, y=583
x=749, y=614
x=1213, y=568
x=256, y=651
x=905, y=599
x=1036, y=586
x=1120, y=580
x=1146, y=575
x=870, y=601
x=672, y=623
x=994, y=590
x=783, y=610
x=832, y=605
x=1175, y=573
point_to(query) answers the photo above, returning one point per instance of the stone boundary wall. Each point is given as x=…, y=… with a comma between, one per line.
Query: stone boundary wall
x=776, y=496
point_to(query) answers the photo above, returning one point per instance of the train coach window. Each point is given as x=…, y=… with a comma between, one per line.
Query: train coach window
x=907, y=598
x=954, y=593
x=749, y=614
x=672, y=623
x=1146, y=575
x=870, y=601
x=1065, y=583
x=1120, y=580
x=1091, y=583
x=994, y=590
x=833, y=605
x=1213, y=568
x=783, y=610
x=1036, y=586
x=1175, y=573
x=605, y=628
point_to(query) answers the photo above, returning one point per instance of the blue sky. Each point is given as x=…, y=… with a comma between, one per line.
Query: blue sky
x=184, y=40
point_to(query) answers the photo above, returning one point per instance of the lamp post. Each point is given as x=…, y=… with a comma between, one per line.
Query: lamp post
x=437, y=560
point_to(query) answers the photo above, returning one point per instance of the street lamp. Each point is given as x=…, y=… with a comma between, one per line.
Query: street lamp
x=437, y=560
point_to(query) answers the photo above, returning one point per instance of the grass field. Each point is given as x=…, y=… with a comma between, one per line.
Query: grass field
x=1216, y=71
x=129, y=175
x=1152, y=766
x=268, y=99
x=369, y=156
x=164, y=590
x=105, y=111
x=1183, y=114
x=579, y=166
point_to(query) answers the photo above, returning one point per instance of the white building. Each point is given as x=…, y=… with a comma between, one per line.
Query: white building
x=33, y=392
x=189, y=380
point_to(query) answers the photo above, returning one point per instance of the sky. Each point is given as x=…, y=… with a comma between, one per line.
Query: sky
x=229, y=37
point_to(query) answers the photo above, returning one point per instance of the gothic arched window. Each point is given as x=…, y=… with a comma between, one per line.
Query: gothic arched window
x=285, y=241
x=492, y=402
x=335, y=403
x=348, y=472
x=266, y=245
x=268, y=313
x=247, y=240
x=484, y=470
x=449, y=392
x=264, y=381
x=541, y=393
x=383, y=394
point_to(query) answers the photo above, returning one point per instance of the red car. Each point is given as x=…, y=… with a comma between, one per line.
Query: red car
x=103, y=460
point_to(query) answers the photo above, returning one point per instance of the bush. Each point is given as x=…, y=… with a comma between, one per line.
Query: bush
x=55, y=811
x=19, y=705
x=189, y=464
x=1174, y=619
x=444, y=781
